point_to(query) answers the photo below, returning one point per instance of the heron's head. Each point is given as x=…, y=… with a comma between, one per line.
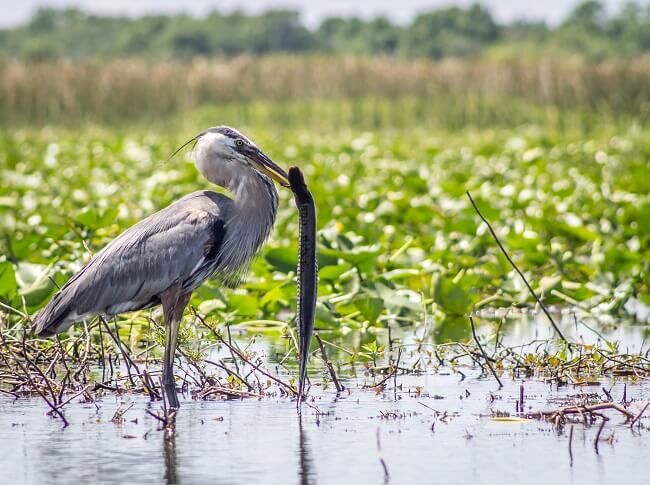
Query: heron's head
x=226, y=157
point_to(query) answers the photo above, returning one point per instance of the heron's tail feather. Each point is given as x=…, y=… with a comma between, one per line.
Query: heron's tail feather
x=54, y=318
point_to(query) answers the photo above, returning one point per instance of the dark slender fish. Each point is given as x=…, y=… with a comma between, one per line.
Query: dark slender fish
x=307, y=271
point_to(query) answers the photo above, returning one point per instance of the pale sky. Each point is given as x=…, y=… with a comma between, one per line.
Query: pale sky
x=13, y=12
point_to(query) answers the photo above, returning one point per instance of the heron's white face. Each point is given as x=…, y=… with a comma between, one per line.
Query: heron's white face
x=227, y=158
x=223, y=147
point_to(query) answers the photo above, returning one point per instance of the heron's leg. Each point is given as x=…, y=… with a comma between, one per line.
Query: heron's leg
x=173, y=303
x=171, y=334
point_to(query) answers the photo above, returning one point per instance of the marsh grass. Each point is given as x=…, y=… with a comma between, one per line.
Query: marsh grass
x=311, y=89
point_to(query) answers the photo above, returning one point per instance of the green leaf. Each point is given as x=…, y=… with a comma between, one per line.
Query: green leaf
x=452, y=329
x=361, y=255
x=35, y=285
x=400, y=274
x=398, y=300
x=450, y=296
x=282, y=259
x=8, y=283
x=324, y=314
x=208, y=306
x=88, y=217
x=370, y=307
x=274, y=295
x=333, y=272
x=244, y=305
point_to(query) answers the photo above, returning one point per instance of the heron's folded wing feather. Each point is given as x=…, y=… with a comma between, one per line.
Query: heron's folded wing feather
x=148, y=257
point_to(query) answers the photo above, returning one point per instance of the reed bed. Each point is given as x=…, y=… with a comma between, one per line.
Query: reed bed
x=299, y=89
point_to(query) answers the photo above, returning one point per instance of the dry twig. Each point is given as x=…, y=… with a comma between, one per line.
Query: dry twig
x=512, y=263
x=381, y=458
x=480, y=347
x=328, y=364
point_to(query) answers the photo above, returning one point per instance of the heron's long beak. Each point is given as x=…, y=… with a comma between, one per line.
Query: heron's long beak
x=270, y=168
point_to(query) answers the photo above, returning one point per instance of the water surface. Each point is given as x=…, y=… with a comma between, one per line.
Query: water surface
x=266, y=441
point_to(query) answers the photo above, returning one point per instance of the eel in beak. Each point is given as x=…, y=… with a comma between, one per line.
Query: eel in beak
x=307, y=272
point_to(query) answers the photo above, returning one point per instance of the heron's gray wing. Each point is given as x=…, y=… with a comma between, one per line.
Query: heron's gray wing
x=170, y=246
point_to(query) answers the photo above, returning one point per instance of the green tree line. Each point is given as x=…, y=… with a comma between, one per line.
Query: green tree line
x=589, y=31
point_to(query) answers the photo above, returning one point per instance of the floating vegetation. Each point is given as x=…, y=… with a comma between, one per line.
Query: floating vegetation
x=399, y=241
x=216, y=366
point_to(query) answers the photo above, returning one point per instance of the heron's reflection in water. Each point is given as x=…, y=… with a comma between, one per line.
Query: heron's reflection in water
x=306, y=472
x=169, y=450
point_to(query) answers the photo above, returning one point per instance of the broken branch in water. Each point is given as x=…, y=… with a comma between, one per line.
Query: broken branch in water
x=63, y=403
x=604, y=419
x=328, y=364
x=127, y=359
x=587, y=408
x=225, y=391
x=519, y=272
x=118, y=416
x=638, y=416
x=242, y=356
x=27, y=373
x=487, y=359
x=392, y=373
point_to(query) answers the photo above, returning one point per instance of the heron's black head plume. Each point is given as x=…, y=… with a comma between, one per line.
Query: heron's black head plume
x=194, y=139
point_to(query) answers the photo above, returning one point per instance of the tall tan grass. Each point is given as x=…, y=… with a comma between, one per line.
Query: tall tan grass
x=131, y=90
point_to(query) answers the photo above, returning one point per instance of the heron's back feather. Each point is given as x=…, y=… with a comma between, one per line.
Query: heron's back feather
x=177, y=244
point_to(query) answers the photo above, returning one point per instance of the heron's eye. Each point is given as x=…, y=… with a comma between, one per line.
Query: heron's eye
x=239, y=143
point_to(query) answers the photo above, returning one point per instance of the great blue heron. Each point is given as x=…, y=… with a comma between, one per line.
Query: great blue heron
x=163, y=258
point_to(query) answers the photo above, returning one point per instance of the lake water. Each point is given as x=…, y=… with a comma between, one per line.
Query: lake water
x=266, y=441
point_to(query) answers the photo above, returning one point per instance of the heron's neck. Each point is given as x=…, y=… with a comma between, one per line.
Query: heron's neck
x=254, y=196
x=254, y=209
x=250, y=222
x=255, y=200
